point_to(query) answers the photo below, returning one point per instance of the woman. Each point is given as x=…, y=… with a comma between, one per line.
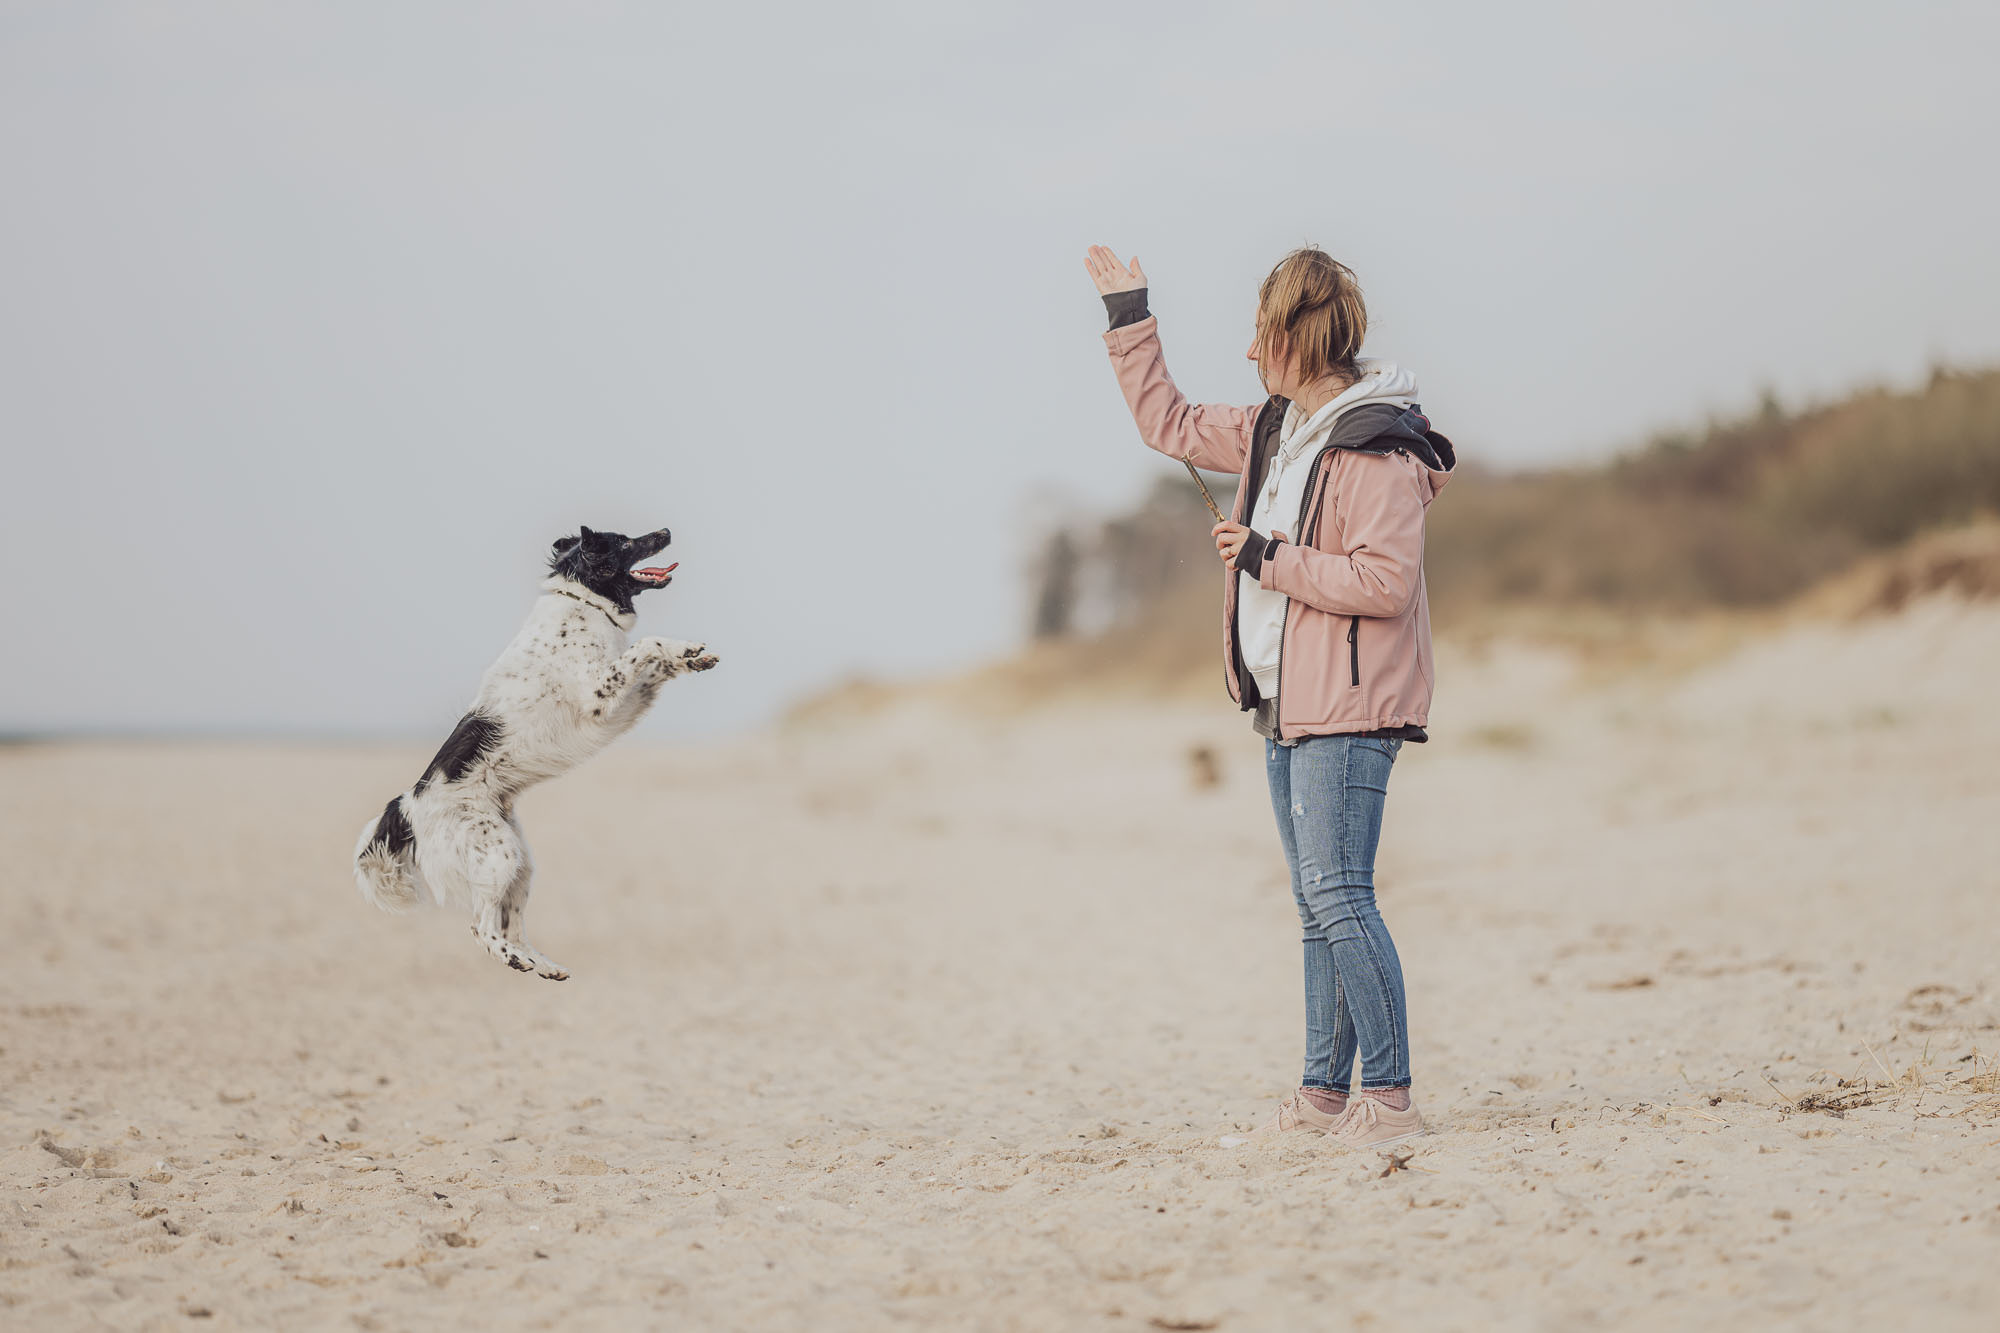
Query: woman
x=1326, y=635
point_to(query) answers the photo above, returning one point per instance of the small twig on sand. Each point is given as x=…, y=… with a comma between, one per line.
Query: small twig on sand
x=1788, y=1101
x=1893, y=1080
x=1836, y=1104
x=1399, y=1159
x=1697, y=1111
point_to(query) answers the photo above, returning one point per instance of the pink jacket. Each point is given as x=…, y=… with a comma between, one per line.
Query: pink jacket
x=1356, y=654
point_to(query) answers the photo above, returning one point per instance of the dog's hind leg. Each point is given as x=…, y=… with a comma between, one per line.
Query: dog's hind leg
x=513, y=913
x=499, y=871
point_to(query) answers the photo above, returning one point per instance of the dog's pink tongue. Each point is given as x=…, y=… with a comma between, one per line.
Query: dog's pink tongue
x=654, y=574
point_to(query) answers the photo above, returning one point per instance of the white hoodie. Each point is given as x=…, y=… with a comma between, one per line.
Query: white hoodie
x=1260, y=613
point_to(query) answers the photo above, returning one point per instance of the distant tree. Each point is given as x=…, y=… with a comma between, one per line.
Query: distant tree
x=1055, y=576
x=1158, y=545
x=1089, y=574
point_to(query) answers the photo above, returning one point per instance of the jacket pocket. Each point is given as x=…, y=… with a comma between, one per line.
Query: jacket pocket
x=1354, y=652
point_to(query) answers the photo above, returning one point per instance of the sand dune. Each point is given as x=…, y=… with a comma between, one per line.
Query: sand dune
x=931, y=1020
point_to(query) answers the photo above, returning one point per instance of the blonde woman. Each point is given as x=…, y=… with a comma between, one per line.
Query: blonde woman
x=1326, y=635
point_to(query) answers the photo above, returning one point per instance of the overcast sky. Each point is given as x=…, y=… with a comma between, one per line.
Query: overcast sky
x=319, y=322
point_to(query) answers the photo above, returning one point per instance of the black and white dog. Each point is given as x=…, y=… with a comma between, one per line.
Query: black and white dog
x=565, y=688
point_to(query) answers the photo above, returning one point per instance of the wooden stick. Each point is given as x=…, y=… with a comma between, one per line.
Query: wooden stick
x=1206, y=498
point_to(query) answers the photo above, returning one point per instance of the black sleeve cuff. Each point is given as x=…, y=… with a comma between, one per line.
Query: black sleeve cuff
x=1250, y=560
x=1126, y=307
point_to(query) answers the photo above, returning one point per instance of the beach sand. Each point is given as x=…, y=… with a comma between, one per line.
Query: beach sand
x=933, y=1019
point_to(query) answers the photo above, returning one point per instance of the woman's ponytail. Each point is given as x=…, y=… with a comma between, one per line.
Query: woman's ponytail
x=1310, y=313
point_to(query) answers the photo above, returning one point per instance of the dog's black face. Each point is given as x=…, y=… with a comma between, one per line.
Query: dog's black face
x=603, y=562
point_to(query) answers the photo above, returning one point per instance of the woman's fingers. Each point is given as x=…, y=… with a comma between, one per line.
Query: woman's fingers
x=1110, y=273
x=1093, y=263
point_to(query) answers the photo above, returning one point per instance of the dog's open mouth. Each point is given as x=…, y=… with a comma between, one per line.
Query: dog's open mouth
x=656, y=575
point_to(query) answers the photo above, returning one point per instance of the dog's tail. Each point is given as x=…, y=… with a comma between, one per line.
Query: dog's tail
x=385, y=860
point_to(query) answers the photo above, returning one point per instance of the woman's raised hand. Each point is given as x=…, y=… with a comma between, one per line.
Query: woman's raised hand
x=1110, y=275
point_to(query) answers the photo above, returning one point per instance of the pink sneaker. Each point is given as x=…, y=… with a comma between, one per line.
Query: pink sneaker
x=1367, y=1123
x=1293, y=1113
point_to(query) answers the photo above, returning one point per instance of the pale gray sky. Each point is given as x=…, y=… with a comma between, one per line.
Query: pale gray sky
x=318, y=323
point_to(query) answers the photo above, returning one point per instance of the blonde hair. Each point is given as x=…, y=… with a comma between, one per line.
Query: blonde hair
x=1310, y=313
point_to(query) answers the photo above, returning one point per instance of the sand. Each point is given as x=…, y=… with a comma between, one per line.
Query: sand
x=931, y=1020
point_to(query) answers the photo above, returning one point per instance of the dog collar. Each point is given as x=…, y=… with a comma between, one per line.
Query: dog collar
x=564, y=588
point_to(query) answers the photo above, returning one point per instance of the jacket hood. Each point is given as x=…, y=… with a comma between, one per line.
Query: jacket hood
x=1382, y=384
x=1385, y=428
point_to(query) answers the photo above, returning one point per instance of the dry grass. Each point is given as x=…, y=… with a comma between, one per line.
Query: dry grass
x=1931, y=1083
x=1749, y=513
x=1963, y=560
x=1836, y=1104
x=1986, y=1081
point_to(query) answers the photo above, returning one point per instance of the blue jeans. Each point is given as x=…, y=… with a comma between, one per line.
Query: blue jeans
x=1328, y=792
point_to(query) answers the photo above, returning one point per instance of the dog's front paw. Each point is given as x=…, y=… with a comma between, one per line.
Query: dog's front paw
x=657, y=659
x=696, y=657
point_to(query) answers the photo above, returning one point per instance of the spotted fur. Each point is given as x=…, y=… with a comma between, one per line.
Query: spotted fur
x=569, y=684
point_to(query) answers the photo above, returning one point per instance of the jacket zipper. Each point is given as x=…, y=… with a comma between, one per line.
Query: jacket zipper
x=1247, y=498
x=1354, y=650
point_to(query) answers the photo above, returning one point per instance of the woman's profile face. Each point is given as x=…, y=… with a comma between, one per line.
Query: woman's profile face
x=1276, y=375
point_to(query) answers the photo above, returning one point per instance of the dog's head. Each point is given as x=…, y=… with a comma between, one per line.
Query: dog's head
x=603, y=562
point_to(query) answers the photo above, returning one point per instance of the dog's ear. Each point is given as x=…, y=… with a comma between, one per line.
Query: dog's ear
x=562, y=544
x=587, y=534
